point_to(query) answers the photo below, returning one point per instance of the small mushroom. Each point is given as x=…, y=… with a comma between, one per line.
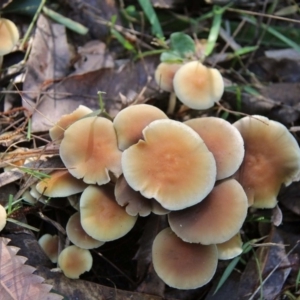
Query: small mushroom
x=78, y=236
x=3, y=216
x=223, y=140
x=49, y=244
x=230, y=248
x=57, y=131
x=183, y=265
x=60, y=184
x=74, y=261
x=89, y=150
x=9, y=36
x=164, y=75
x=101, y=216
x=197, y=86
x=272, y=158
x=130, y=122
x=214, y=220
x=172, y=165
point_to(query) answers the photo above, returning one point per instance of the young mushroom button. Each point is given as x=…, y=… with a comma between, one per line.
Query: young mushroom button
x=9, y=36
x=197, y=86
x=272, y=158
x=172, y=165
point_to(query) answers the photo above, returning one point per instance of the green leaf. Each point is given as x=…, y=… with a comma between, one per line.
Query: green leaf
x=152, y=17
x=182, y=44
x=170, y=56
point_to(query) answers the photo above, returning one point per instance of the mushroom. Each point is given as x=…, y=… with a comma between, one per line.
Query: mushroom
x=130, y=122
x=183, y=265
x=223, y=140
x=60, y=184
x=214, y=220
x=74, y=261
x=89, y=150
x=135, y=204
x=57, y=131
x=101, y=216
x=197, y=86
x=49, y=245
x=3, y=216
x=78, y=236
x=172, y=165
x=272, y=158
x=230, y=248
x=9, y=36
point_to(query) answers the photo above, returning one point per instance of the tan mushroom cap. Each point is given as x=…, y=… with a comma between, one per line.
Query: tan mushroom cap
x=89, y=150
x=130, y=122
x=230, y=248
x=101, y=216
x=49, y=244
x=3, y=216
x=74, y=261
x=216, y=219
x=60, y=184
x=183, y=265
x=78, y=236
x=164, y=75
x=223, y=140
x=172, y=165
x=9, y=36
x=136, y=204
x=57, y=131
x=272, y=158
x=197, y=86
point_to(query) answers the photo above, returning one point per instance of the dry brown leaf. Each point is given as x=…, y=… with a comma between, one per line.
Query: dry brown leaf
x=16, y=279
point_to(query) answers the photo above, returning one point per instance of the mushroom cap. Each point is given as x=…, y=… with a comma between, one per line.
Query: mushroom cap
x=216, y=219
x=183, y=265
x=272, y=158
x=9, y=36
x=197, y=86
x=230, y=248
x=49, y=244
x=164, y=75
x=60, y=184
x=27, y=197
x=57, y=131
x=89, y=150
x=101, y=216
x=172, y=165
x=74, y=261
x=78, y=236
x=130, y=122
x=223, y=140
x=3, y=216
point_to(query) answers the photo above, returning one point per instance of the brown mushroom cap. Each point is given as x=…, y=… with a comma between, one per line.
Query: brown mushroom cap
x=197, y=86
x=164, y=75
x=49, y=245
x=3, y=216
x=272, y=158
x=57, y=131
x=89, y=150
x=78, y=236
x=130, y=122
x=136, y=204
x=230, y=248
x=172, y=165
x=9, y=36
x=74, y=261
x=183, y=265
x=60, y=184
x=216, y=219
x=101, y=216
x=223, y=140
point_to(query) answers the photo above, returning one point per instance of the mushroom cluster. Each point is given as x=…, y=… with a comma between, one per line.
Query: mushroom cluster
x=203, y=174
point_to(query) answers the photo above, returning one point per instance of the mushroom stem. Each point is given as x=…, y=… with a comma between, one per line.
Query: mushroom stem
x=172, y=103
